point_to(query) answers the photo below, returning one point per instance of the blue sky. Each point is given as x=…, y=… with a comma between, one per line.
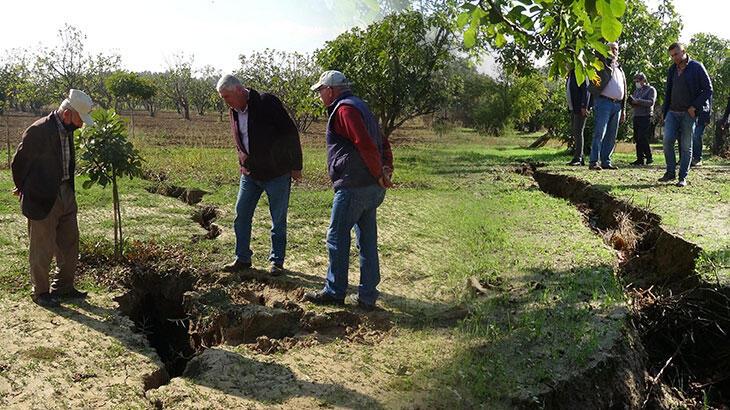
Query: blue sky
x=149, y=33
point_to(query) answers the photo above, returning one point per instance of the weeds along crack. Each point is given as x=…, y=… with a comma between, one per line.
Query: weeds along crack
x=682, y=317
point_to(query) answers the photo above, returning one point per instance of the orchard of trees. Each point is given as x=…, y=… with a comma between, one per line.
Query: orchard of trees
x=419, y=59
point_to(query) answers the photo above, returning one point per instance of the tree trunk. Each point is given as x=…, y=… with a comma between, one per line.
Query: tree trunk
x=7, y=136
x=540, y=142
x=117, y=221
x=131, y=122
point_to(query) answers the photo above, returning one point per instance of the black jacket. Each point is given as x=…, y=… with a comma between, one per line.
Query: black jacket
x=273, y=138
x=37, y=168
x=699, y=84
x=578, y=94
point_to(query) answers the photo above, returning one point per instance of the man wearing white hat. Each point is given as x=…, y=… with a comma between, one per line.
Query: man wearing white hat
x=360, y=165
x=43, y=173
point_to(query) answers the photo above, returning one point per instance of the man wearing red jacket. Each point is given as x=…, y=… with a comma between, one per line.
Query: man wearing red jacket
x=360, y=165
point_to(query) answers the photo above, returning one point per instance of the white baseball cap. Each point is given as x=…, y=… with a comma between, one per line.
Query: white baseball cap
x=331, y=78
x=81, y=103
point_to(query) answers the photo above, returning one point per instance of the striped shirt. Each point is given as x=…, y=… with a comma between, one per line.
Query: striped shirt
x=65, y=148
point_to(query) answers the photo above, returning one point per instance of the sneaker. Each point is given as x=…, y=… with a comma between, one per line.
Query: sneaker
x=73, y=293
x=45, y=300
x=649, y=161
x=355, y=299
x=638, y=162
x=609, y=166
x=236, y=266
x=277, y=269
x=575, y=163
x=667, y=178
x=682, y=183
x=322, y=298
x=696, y=163
x=595, y=167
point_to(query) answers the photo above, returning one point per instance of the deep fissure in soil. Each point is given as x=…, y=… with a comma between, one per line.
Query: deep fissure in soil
x=682, y=318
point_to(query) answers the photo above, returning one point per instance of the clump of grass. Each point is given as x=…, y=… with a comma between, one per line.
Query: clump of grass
x=43, y=353
x=625, y=236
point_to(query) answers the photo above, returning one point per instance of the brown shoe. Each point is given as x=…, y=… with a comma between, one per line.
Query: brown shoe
x=595, y=167
x=237, y=266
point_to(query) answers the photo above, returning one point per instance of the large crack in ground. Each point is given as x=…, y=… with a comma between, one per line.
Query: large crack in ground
x=681, y=317
x=183, y=310
x=204, y=215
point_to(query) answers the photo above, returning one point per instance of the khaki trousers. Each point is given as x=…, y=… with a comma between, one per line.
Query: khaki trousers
x=57, y=234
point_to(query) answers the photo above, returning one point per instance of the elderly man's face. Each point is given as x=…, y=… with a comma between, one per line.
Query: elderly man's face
x=327, y=95
x=614, y=50
x=71, y=117
x=235, y=98
x=677, y=55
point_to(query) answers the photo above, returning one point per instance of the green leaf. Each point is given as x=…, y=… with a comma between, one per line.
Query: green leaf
x=88, y=184
x=611, y=28
x=463, y=19
x=618, y=7
x=470, y=37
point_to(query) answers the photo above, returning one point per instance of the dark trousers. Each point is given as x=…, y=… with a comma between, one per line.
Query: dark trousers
x=642, y=131
x=577, y=126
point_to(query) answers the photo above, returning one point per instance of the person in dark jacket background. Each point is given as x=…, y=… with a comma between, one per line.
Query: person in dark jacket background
x=579, y=103
x=642, y=100
x=269, y=156
x=686, y=101
x=360, y=165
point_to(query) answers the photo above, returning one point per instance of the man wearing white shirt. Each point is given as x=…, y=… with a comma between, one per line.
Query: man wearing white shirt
x=609, y=111
x=269, y=156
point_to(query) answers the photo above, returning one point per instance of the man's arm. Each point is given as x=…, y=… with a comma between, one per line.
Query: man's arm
x=667, y=93
x=351, y=125
x=648, y=102
x=288, y=130
x=705, y=88
x=25, y=155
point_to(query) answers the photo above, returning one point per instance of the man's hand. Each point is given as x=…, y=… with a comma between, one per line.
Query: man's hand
x=296, y=175
x=584, y=112
x=692, y=112
x=245, y=170
x=384, y=181
x=623, y=116
x=16, y=192
x=388, y=172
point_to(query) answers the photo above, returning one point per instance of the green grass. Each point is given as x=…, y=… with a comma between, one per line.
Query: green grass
x=459, y=211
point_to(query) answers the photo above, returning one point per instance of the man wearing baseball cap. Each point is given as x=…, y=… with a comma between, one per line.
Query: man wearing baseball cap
x=360, y=165
x=43, y=173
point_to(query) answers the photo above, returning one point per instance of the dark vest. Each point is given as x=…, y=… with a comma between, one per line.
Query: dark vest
x=344, y=163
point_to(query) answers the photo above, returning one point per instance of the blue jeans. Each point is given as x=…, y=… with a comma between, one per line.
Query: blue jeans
x=608, y=115
x=277, y=190
x=354, y=207
x=697, y=141
x=678, y=126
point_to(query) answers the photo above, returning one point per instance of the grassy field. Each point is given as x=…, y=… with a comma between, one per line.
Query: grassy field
x=552, y=308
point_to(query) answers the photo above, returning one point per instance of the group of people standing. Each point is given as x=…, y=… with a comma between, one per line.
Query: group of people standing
x=685, y=113
x=359, y=162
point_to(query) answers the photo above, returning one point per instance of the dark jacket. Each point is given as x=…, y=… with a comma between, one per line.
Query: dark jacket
x=37, y=168
x=345, y=165
x=699, y=85
x=596, y=86
x=726, y=114
x=578, y=95
x=273, y=138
